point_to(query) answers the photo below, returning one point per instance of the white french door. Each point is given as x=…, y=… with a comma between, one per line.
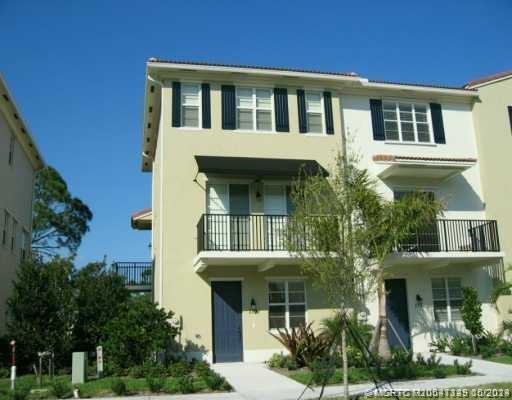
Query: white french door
x=275, y=214
x=217, y=208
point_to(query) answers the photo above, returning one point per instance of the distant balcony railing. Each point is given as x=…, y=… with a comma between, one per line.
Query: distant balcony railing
x=227, y=232
x=136, y=274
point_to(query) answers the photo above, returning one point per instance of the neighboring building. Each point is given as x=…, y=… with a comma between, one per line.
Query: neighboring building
x=19, y=161
x=493, y=124
x=224, y=142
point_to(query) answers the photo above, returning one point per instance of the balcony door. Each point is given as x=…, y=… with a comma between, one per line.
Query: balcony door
x=275, y=208
x=227, y=222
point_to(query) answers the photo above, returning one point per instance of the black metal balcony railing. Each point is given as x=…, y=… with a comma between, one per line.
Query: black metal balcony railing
x=135, y=274
x=223, y=232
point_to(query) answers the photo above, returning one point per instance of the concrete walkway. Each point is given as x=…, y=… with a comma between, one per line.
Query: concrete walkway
x=254, y=381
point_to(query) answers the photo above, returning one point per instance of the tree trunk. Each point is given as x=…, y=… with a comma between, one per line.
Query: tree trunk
x=380, y=343
x=473, y=342
x=344, y=358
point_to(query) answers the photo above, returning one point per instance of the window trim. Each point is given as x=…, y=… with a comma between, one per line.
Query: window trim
x=199, y=106
x=398, y=121
x=287, y=304
x=448, y=299
x=255, y=109
x=322, y=112
x=12, y=145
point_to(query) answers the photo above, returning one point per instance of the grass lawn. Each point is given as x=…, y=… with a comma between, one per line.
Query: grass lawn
x=97, y=387
x=493, y=390
x=504, y=359
x=360, y=375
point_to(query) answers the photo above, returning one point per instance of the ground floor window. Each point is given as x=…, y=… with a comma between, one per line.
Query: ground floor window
x=286, y=304
x=447, y=298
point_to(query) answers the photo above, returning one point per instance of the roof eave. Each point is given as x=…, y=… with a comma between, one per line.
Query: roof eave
x=23, y=132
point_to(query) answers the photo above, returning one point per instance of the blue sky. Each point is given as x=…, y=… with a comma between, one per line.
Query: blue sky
x=76, y=69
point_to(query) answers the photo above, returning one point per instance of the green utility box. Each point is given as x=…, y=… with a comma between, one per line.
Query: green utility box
x=79, y=368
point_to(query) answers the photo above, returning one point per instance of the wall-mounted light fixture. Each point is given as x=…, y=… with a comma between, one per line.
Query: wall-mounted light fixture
x=419, y=301
x=254, y=309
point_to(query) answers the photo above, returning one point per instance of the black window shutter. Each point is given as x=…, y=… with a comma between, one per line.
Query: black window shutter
x=205, y=104
x=510, y=115
x=176, y=104
x=437, y=122
x=281, y=110
x=377, y=119
x=329, y=124
x=228, y=107
x=301, y=103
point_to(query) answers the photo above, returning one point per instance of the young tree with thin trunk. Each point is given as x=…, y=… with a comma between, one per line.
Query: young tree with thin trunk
x=321, y=232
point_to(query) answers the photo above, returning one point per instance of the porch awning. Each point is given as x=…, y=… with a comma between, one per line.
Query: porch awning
x=259, y=167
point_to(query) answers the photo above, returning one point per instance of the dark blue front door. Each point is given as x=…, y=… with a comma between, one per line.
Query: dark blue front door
x=227, y=321
x=398, y=315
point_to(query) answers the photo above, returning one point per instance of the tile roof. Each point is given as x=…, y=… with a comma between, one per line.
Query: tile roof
x=391, y=157
x=268, y=68
x=489, y=78
x=141, y=212
x=310, y=71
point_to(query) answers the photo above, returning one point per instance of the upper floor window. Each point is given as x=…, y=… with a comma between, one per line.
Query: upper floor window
x=14, y=233
x=190, y=105
x=254, y=109
x=314, y=112
x=406, y=122
x=5, y=229
x=447, y=299
x=11, y=150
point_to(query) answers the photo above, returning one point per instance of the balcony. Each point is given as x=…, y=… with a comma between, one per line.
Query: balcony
x=260, y=240
x=138, y=276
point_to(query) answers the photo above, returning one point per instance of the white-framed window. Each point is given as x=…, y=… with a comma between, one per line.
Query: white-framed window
x=190, y=105
x=14, y=232
x=254, y=109
x=5, y=229
x=286, y=304
x=314, y=112
x=12, y=143
x=447, y=299
x=406, y=122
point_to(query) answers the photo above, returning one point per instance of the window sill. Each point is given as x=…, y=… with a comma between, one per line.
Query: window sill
x=317, y=135
x=390, y=142
x=190, y=129
x=249, y=132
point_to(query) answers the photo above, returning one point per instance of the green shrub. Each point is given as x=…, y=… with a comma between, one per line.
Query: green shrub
x=153, y=368
x=140, y=329
x=440, y=373
x=137, y=371
x=433, y=361
x=118, y=387
x=155, y=383
x=463, y=369
x=201, y=368
x=303, y=344
x=61, y=389
x=20, y=393
x=179, y=369
x=214, y=381
x=461, y=345
x=185, y=384
x=440, y=344
x=4, y=373
x=282, y=361
x=400, y=366
x=322, y=370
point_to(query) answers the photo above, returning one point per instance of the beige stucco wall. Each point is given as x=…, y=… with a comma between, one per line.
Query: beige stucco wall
x=494, y=139
x=16, y=189
x=184, y=291
x=179, y=202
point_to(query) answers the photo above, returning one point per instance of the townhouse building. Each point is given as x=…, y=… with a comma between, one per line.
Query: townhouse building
x=224, y=142
x=20, y=159
x=492, y=115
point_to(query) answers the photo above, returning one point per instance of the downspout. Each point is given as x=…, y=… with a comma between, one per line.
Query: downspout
x=161, y=234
